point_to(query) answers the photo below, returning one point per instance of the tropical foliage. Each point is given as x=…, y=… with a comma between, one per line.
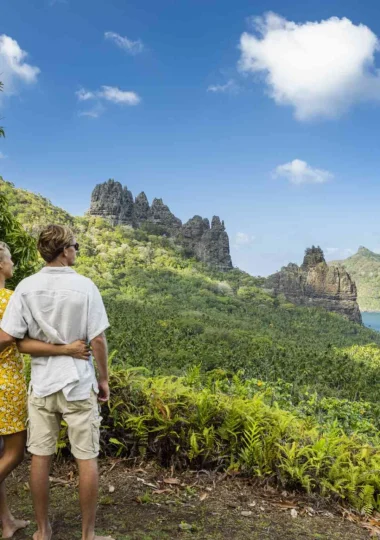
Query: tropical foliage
x=23, y=247
x=209, y=370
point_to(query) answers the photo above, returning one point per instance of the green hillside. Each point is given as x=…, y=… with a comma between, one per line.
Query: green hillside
x=169, y=311
x=233, y=377
x=364, y=268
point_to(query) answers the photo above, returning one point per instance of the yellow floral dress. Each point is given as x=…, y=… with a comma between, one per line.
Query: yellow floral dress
x=13, y=394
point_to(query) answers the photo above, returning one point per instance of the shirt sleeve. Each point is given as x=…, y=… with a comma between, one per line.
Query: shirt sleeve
x=97, y=320
x=13, y=322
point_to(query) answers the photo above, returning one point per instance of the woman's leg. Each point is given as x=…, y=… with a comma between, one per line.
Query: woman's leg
x=13, y=454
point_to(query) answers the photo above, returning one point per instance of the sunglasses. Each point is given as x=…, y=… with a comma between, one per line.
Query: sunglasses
x=75, y=246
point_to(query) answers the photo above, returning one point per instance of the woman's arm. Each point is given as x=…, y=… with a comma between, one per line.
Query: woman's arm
x=5, y=340
x=78, y=349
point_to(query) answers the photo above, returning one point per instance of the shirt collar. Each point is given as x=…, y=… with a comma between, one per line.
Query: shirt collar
x=58, y=270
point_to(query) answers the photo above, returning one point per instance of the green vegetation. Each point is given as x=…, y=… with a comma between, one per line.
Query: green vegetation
x=364, y=268
x=227, y=423
x=208, y=370
x=2, y=132
x=23, y=247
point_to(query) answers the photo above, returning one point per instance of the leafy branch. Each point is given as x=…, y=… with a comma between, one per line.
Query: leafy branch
x=2, y=132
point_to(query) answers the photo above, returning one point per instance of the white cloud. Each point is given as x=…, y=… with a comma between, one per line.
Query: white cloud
x=230, y=87
x=13, y=68
x=95, y=112
x=243, y=240
x=299, y=172
x=114, y=94
x=319, y=68
x=2, y=156
x=132, y=47
x=106, y=93
x=84, y=95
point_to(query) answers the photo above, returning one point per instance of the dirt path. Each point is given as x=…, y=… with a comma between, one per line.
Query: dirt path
x=149, y=504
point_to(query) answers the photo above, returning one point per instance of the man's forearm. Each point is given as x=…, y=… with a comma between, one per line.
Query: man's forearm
x=100, y=352
x=5, y=340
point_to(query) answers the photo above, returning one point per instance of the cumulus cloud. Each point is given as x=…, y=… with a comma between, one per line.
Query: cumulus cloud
x=318, y=68
x=243, y=240
x=299, y=172
x=230, y=87
x=112, y=94
x=13, y=68
x=128, y=45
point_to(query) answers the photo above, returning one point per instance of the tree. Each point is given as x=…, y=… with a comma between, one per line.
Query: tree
x=2, y=132
x=22, y=245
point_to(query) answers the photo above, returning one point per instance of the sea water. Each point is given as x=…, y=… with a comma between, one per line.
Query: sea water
x=371, y=319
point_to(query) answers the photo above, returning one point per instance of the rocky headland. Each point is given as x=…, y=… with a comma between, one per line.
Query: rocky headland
x=317, y=284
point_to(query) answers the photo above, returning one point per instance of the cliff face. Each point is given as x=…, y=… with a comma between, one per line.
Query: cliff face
x=314, y=283
x=208, y=243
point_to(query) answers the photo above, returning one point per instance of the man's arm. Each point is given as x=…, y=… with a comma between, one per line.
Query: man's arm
x=78, y=349
x=5, y=340
x=100, y=351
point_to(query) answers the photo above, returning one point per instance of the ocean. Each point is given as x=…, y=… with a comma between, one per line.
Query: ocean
x=372, y=320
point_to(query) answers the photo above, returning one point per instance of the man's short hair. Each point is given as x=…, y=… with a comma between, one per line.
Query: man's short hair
x=52, y=241
x=4, y=248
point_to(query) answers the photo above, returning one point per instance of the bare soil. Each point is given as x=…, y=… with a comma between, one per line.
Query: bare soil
x=149, y=503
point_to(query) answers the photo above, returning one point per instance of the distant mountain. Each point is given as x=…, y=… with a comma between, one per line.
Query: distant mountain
x=364, y=268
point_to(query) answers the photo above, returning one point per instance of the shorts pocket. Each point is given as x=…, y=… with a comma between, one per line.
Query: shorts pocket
x=27, y=432
x=38, y=402
x=95, y=428
x=80, y=405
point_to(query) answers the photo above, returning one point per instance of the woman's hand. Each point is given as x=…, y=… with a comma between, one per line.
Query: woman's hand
x=78, y=349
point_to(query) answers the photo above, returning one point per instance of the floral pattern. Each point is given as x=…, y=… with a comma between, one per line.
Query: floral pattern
x=13, y=394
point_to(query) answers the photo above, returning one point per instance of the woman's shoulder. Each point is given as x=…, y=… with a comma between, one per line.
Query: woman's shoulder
x=5, y=294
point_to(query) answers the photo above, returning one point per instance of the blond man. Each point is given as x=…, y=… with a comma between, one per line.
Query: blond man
x=55, y=305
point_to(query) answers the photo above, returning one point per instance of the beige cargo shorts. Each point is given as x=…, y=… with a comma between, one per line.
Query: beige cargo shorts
x=44, y=424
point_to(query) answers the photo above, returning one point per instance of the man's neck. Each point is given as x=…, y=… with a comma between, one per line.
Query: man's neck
x=57, y=263
x=2, y=282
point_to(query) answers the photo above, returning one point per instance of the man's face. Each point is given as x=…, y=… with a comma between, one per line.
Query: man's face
x=7, y=265
x=71, y=253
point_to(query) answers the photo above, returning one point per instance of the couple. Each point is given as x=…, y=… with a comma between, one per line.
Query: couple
x=52, y=316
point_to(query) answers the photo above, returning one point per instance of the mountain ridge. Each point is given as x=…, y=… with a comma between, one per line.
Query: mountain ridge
x=209, y=243
x=364, y=267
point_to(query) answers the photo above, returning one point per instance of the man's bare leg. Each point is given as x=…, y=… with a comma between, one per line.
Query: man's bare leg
x=39, y=485
x=88, y=496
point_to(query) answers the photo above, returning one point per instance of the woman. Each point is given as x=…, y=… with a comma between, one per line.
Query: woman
x=13, y=394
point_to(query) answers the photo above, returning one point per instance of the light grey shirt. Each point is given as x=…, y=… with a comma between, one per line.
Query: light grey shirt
x=58, y=306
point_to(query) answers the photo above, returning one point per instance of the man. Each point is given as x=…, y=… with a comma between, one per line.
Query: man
x=55, y=305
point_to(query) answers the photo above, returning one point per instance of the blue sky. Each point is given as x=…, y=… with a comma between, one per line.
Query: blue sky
x=171, y=111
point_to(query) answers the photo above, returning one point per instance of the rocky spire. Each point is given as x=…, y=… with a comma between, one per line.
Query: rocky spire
x=210, y=244
x=126, y=211
x=141, y=209
x=160, y=214
x=313, y=256
x=107, y=201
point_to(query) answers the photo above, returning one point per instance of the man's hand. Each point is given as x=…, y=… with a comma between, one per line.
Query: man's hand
x=78, y=349
x=104, y=391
